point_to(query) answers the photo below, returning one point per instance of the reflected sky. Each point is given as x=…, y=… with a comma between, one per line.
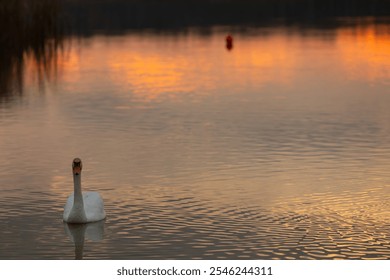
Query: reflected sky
x=157, y=68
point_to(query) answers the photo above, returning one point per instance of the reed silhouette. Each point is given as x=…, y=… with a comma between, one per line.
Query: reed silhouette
x=28, y=29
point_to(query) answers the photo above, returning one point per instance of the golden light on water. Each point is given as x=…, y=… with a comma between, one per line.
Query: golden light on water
x=149, y=76
x=165, y=67
x=152, y=71
x=365, y=53
x=171, y=67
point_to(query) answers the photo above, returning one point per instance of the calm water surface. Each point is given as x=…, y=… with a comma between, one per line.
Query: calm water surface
x=276, y=149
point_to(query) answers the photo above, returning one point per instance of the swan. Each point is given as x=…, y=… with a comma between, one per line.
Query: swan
x=81, y=207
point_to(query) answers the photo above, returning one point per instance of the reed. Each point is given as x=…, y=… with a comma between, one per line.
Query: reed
x=27, y=28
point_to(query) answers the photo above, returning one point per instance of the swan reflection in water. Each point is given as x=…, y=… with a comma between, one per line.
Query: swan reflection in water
x=78, y=233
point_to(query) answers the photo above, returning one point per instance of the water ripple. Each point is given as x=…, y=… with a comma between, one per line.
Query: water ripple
x=228, y=164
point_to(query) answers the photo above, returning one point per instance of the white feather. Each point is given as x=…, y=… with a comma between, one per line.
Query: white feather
x=93, y=207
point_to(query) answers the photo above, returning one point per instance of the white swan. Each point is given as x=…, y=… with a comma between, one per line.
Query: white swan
x=82, y=207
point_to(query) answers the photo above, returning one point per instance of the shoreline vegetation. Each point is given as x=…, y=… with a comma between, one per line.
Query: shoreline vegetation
x=28, y=28
x=120, y=15
x=34, y=19
x=38, y=28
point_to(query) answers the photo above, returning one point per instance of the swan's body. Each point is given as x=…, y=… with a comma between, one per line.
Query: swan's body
x=83, y=207
x=93, y=209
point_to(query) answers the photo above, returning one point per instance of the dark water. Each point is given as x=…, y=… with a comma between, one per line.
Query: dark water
x=276, y=149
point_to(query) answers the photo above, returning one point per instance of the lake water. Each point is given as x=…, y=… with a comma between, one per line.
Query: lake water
x=278, y=148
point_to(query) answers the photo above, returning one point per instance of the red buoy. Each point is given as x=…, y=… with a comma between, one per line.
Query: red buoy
x=229, y=42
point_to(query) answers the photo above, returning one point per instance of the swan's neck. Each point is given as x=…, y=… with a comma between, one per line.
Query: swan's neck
x=77, y=214
x=78, y=194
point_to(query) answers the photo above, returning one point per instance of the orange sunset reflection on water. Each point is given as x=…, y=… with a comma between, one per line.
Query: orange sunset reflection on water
x=365, y=53
x=159, y=67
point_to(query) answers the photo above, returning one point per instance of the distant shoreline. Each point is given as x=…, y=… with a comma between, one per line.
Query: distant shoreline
x=90, y=15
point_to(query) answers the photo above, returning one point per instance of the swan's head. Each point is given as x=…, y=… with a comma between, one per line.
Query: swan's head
x=77, y=166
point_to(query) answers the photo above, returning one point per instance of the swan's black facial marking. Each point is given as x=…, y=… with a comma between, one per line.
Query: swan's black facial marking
x=77, y=166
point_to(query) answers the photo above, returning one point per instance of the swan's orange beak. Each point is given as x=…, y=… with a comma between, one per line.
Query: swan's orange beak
x=76, y=170
x=77, y=166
